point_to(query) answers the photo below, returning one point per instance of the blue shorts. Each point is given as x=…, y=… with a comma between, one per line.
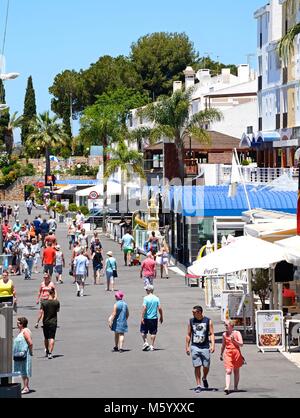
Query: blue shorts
x=149, y=327
x=200, y=356
x=58, y=269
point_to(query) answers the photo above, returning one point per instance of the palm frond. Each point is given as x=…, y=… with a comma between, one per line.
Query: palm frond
x=206, y=117
x=286, y=45
x=201, y=135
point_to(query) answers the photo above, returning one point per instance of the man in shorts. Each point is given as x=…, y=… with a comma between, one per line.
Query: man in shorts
x=127, y=245
x=148, y=270
x=149, y=320
x=81, y=264
x=48, y=312
x=48, y=260
x=200, y=343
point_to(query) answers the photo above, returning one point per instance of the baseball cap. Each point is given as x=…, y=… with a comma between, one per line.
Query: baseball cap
x=119, y=295
x=149, y=287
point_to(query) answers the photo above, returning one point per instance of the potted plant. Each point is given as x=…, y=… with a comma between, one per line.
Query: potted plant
x=61, y=210
x=261, y=285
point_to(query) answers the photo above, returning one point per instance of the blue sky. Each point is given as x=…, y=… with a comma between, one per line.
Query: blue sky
x=45, y=37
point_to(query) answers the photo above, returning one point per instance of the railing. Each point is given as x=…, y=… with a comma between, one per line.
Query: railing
x=257, y=175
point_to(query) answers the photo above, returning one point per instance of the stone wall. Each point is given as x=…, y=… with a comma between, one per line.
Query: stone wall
x=15, y=192
x=39, y=163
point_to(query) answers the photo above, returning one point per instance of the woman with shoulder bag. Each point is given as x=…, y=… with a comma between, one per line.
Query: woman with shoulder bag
x=118, y=321
x=22, y=351
x=111, y=271
x=233, y=359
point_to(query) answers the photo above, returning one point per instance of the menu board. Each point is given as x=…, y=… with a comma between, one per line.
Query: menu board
x=236, y=306
x=270, y=330
x=213, y=292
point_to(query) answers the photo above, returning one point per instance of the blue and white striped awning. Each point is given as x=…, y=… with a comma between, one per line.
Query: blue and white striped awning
x=263, y=137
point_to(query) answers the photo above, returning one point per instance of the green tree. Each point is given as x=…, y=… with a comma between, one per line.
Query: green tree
x=98, y=127
x=29, y=109
x=47, y=134
x=69, y=93
x=214, y=66
x=287, y=43
x=120, y=101
x=14, y=122
x=4, y=115
x=160, y=58
x=130, y=162
x=172, y=120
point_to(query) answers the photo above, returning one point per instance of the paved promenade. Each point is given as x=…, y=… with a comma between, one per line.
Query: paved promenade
x=84, y=366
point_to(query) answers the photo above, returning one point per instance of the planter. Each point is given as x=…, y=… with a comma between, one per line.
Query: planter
x=10, y=391
x=61, y=218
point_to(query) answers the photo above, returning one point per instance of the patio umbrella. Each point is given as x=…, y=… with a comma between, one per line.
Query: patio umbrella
x=242, y=254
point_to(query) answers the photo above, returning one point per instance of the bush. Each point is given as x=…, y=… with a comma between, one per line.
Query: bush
x=245, y=163
x=73, y=207
x=6, y=170
x=60, y=208
x=84, y=210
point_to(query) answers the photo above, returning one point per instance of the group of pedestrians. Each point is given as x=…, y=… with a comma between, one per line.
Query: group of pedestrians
x=200, y=340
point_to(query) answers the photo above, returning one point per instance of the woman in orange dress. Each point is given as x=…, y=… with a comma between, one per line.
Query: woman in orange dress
x=233, y=359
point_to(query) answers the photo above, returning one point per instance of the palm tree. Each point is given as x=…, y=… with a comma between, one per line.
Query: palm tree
x=128, y=161
x=98, y=129
x=171, y=116
x=46, y=134
x=286, y=45
x=14, y=122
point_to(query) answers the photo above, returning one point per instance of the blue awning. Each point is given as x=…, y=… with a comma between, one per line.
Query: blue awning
x=209, y=201
x=263, y=137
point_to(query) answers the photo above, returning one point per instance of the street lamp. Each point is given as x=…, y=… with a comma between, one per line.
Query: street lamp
x=9, y=76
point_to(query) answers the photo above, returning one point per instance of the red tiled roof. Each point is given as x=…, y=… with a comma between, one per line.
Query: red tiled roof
x=219, y=141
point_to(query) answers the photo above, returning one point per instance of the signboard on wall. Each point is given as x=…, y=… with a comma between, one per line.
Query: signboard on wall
x=270, y=333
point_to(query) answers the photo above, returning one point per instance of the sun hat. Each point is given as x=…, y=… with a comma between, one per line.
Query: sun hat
x=149, y=287
x=110, y=253
x=119, y=295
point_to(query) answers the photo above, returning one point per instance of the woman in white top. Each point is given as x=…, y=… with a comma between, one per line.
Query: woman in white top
x=162, y=259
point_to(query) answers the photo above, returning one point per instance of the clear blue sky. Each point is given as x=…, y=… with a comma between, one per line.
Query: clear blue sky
x=45, y=37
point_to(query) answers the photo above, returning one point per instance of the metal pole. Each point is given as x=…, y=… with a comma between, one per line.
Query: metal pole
x=6, y=338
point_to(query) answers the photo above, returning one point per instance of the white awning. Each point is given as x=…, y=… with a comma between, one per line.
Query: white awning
x=291, y=247
x=272, y=231
x=64, y=189
x=244, y=253
x=113, y=188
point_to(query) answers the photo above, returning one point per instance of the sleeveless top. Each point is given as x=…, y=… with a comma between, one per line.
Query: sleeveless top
x=200, y=333
x=45, y=290
x=59, y=258
x=120, y=321
x=6, y=289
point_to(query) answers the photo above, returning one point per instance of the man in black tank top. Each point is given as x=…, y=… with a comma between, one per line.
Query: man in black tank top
x=200, y=343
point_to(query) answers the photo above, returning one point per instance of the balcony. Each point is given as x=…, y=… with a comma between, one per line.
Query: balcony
x=256, y=175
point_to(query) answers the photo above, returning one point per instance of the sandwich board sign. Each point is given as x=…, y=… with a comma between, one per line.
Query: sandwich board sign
x=270, y=333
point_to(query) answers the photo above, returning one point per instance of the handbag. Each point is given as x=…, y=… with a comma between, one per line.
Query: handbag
x=20, y=355
x=115, y=273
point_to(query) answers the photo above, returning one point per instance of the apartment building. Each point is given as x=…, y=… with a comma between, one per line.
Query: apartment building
x=278, y=133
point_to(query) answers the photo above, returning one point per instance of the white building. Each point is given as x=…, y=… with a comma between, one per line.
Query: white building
x=278, y=85
x=234, y=96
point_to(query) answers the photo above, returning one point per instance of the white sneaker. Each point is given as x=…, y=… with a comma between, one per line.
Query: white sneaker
x=146, y=347
x=151, y=348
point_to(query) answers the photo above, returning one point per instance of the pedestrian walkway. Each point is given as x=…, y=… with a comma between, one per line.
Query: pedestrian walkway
x=84, y=366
